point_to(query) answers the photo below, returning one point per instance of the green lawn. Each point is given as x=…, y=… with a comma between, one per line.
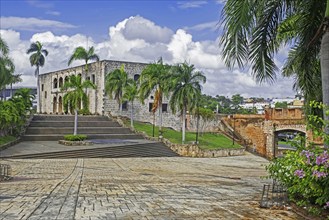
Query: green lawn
x=207, y=141
x=6, y=139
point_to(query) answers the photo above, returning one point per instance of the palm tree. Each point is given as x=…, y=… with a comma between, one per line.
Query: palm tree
x=75, y=95
x=14, y=79
x=7, y=67
x=130, y=94
x=37, y=59
x=254, y=32
x=155, y=77
x=186, y=90
x=26, y=95
x=81, y=53
x=115, y=83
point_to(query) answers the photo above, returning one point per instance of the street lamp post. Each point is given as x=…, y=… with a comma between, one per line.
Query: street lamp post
x=233, y=130
x=197, y=125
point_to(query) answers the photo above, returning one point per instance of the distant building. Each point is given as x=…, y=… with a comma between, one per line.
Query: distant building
x=259, y=106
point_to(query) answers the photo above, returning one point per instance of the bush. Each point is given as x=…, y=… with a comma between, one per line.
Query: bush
x=78, y=137
x=305, y=172
x=84, y=111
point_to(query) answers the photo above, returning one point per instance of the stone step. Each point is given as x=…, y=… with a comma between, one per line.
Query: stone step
x=71, y=124
x=56, y=137
x=135, y=150
x=70, y=118
x=81, y=130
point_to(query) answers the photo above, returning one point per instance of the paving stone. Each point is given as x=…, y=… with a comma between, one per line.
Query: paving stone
x=138, y=188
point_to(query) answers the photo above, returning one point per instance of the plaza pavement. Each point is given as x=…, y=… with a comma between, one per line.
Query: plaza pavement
x=137, y=188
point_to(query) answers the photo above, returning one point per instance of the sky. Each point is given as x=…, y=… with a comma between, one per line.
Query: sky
x=136, y=31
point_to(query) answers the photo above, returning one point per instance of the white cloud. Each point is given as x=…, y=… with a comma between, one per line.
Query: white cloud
x=32, y=24
x=191, y=4
x=128, y=45
x=212, y=25
x=140, y=28
x=55, y=13
x=40, y=4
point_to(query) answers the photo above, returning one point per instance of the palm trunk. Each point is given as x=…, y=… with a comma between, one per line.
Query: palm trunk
x=75, y=121
x=132, y=115
x=160, y=116
x=325, y=73
x=39, y=110
x=183, y=126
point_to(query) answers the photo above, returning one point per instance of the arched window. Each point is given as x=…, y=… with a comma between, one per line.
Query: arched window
x=55, y=83
x=66, y=78
x=136, y=77
x=60, y=83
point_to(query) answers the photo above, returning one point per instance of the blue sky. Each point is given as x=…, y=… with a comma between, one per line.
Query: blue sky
x=138, y=31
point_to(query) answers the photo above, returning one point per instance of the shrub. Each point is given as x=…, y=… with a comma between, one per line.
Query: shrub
x=305, y=172
x=78, y=137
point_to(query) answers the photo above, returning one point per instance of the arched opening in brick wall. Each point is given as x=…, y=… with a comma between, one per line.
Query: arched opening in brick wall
x=287, y=139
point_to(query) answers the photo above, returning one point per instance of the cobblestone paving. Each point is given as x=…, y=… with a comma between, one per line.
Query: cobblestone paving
x=137, y=188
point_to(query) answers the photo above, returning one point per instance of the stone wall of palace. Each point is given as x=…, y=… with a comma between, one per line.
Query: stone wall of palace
x=99, y=102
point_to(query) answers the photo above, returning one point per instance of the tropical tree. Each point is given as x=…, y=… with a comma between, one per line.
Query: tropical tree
x=115, y=83
x=130, y=94
x=7, y=67
x=186, y=89
x=27, y=97
x=14, y=78
x=37, y=59
x=155, y=77
x=254, y=31
x=81, y=53
x=75, y=95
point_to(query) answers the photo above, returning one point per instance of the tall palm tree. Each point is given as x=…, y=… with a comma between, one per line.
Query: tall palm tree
x=75, y=95
x=254, y=31
x=81, y=53
x=130, y=94
x=37, y=59
x=155, y=77
x=115, y=83
x=7, y=67
x=186, y=90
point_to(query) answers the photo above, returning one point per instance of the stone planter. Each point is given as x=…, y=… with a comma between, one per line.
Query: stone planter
x=75, y=143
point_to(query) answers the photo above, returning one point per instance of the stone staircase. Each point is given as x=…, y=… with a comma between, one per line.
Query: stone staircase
x=54, y=127
x=156, y=149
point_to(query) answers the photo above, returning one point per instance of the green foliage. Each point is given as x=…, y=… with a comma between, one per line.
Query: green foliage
x=305, y=172
x=75, y=94
x=13, y=114
x=81, y=53
x=281, y=105
x=254, y=33
x=6, y=139
x=84, y=111
x=7, y=66
x=115, y=84
x=78, y=137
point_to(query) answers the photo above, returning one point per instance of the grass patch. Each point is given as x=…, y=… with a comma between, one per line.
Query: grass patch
x=207, y=141
x=6, y=139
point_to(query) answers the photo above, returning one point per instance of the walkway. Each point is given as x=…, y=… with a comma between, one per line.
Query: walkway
x=136, y=188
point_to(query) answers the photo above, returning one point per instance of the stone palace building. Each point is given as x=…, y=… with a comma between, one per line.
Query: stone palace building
x=99, y=102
